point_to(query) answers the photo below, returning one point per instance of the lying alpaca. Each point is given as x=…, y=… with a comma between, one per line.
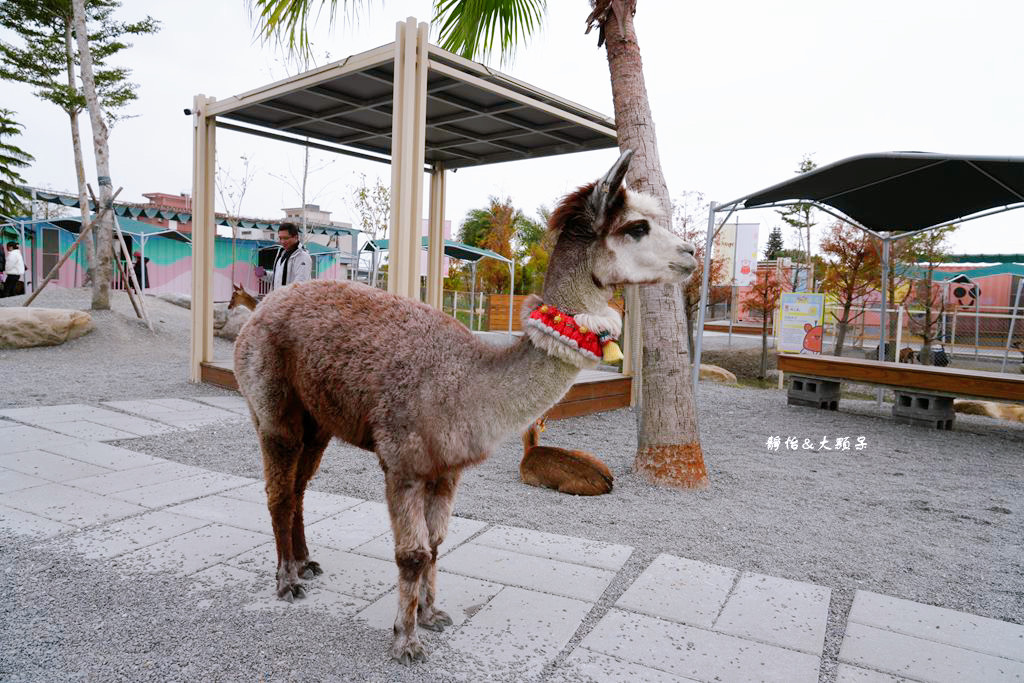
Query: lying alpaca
x=240, y=307
x=566, y=471
x=395, y=376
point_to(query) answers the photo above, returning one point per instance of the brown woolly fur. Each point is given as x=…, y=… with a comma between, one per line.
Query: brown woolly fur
x=573, y=219
x=339, y=359
x=564, y=470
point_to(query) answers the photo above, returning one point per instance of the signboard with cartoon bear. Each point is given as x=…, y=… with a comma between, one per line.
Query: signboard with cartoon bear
x=800, y=322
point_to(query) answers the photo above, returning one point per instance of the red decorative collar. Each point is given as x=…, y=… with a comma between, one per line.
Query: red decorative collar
x=564, y=328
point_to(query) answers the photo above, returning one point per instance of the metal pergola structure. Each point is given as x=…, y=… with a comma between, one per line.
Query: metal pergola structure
x=891, y=196
x=407, y=103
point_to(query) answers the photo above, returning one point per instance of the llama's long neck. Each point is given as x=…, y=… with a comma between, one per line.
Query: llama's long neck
x=525, y=379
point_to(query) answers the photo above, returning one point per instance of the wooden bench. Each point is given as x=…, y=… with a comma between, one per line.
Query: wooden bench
x=924, y=394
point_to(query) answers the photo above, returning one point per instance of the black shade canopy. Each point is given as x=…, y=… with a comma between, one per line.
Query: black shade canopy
x=903, y=191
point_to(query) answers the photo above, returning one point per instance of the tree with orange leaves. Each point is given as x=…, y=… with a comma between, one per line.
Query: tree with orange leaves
x=851, y=271
x=763, y=298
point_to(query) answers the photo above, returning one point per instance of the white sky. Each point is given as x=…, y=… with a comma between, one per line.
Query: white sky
x=740, y=91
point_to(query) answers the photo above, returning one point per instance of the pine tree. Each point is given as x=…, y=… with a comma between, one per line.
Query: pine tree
x=799, y=216
x=12, y=158
x=775, y=244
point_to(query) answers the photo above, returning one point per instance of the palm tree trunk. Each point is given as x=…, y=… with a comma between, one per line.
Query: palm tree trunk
x=102, y=274
x=668, y=443
x=76, y=143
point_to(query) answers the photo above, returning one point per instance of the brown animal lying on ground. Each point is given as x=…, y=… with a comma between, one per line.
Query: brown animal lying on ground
x=908, y=355
x=1000, y=411
x=566, y=471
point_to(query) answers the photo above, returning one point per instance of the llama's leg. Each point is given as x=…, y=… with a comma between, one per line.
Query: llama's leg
x=406, y=505
x=314, y=440
x=440, y=500
x=280, y=462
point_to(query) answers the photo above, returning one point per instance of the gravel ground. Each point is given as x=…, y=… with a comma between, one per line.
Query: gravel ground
x=934, y=517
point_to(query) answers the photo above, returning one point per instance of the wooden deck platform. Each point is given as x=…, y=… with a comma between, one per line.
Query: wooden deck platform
x=595, y=391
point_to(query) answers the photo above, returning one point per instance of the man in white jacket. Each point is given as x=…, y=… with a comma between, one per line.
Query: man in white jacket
x=293, y=263
x=14, y=269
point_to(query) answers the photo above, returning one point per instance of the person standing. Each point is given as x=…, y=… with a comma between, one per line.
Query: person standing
x=293, y=263
x=14, y=269
x=141, y=267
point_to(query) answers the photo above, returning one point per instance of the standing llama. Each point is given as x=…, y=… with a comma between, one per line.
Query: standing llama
x=338, y=359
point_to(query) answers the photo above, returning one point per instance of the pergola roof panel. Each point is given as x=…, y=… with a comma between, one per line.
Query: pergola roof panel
x=474, y=115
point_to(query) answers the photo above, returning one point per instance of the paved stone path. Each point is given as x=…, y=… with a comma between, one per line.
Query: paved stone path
x=517, y=596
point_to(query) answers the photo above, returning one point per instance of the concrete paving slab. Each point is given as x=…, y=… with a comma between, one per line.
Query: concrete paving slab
x=133, y=533
x=362, y=577
x=229, y=511
x=528, y=571
x=557, y=547
x=517, y=633
x=990, y=636
x=192, y=551
x=14, y=521
x=923, y=660
x=180, y=490
x=69, y=505
x=67, y=411
x=681, y=590
x=102, y=454
x=88, y=431
x=854, y=674
x=350, y=528
x=27, y=438
x=14, y=481
x=316, y=505
x=235, y=404
x=50, y=466
x=124, y=480
x=459, y=529
x=460, y=596
x=586, y=665
x=778, y=612
x=697, y=653
x=130, y=423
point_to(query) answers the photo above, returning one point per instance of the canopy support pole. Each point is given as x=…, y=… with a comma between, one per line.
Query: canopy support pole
x=435, y=238
x=1013, y=323
x=704, y=284
x=203, y=232
x=883, y=322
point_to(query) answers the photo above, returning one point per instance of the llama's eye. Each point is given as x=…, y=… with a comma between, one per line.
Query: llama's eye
x=638, y=230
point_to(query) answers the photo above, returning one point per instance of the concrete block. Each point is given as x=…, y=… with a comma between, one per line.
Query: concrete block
x=241, y=514
x=316, y=505
x=69, y=505
x=854, y=674
x=556, y=547
x=26, y=438
x=350, y=528
x=518, y=633
x=924, y=410
x=813, y=392
x=922, y=660
x=45, y=465
x=778, y=612
x=990, y=636
x=680, y=590
x=527, y=571
x=133, y=533
x=193, y=551
x=693, y=652
x=460, y=596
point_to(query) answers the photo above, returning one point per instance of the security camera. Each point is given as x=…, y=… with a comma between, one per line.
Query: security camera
x=188, y=112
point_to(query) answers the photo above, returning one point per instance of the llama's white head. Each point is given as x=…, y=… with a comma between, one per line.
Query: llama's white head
x=623, y=234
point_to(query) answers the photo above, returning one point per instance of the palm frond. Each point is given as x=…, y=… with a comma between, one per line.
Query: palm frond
x=288, y=21
x=477, y=28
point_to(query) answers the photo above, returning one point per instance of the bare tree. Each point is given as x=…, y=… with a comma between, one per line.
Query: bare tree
x=851, y=272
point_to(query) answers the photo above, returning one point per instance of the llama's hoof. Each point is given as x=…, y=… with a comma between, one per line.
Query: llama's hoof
x=408, y=650
x=311, y=570
x=292, y=592
x=434, y=620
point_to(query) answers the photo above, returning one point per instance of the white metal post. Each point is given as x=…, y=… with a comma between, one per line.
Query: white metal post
x=899, y=332
x=203, y=232
x=1013, y=323
x=703, y=294
x=435, y=238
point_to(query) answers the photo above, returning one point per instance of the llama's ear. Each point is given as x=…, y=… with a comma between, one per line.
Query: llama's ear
x=609, y=185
